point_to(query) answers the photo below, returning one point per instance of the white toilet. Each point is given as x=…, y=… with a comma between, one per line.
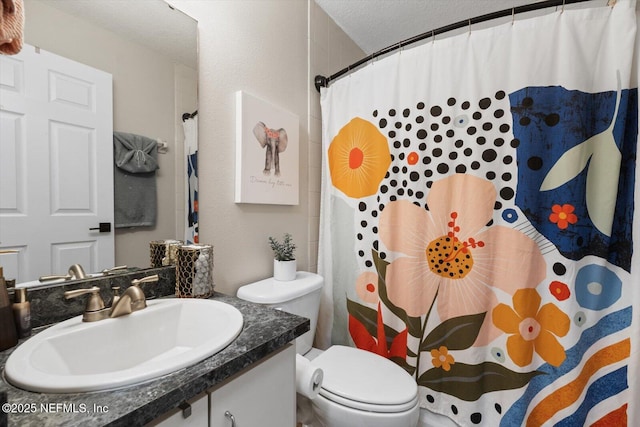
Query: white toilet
x=359, y=388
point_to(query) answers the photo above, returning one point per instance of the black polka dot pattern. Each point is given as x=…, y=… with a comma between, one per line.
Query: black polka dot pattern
x=559, y=269
x=476, y=418
x=431, y=140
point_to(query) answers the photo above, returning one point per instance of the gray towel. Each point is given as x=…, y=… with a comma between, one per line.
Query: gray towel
x=134, y=179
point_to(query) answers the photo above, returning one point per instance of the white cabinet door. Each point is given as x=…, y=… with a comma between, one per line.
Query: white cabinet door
x=262, y=396
x=199, y=415
x=56, y=165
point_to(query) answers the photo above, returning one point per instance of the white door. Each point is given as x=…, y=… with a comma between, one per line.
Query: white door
x=56, y=165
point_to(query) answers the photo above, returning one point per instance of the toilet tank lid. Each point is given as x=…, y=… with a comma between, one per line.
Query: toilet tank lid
x=271, y=291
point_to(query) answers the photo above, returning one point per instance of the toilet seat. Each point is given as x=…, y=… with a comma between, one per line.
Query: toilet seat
x=362, y=406
x=365, y=381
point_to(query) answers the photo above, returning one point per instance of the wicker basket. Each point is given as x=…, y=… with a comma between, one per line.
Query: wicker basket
x=194, y=271
x=163, y=252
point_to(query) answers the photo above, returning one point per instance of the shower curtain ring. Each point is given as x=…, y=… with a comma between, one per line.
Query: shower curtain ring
x=513, y=15
x=469, y=26
x=433, y=36
x=562, y=11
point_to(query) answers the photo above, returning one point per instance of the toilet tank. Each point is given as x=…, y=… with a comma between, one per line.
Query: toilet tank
x=300, y=296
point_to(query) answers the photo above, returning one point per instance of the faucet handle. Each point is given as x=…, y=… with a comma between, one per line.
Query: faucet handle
x=95, y=309
x=54, y=277
x=95, y=300
x=148, y=279
x=116, y=295
x=114, y=269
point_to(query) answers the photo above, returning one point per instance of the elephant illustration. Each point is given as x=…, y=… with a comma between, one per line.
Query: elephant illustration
x=275, y=142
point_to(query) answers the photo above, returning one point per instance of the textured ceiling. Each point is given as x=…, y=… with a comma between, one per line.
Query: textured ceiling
x=376, y=24
x=151, y=23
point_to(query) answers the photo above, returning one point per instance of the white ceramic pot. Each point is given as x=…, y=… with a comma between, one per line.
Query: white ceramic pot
x=284, y=271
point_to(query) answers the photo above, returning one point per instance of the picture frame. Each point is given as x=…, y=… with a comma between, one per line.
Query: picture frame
x=267, y=153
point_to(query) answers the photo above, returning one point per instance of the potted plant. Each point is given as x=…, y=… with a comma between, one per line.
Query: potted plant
x=284, y=260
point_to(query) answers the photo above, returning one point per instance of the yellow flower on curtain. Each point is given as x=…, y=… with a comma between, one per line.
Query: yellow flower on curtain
x=532, y=328
x=441, y=358
x=358, y=158
x=449, y=251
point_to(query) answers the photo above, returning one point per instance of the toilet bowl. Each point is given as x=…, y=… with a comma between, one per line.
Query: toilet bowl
x=363, y=389
x=359, y=388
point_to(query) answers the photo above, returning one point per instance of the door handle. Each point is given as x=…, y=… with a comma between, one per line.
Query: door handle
x=104, y=227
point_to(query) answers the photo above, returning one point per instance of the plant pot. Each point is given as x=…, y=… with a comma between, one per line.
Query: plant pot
x=284, y=271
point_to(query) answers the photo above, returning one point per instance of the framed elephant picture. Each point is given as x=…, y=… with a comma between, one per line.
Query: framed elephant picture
x=267, y=153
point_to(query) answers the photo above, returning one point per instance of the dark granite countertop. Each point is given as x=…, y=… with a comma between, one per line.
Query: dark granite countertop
x=265, y=330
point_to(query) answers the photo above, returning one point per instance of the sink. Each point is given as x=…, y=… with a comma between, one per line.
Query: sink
x=75, y=356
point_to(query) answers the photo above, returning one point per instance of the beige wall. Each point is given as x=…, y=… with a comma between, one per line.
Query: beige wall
x=144, y=103
x=270, y=49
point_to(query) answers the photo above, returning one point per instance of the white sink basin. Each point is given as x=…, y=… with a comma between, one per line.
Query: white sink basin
x=75, y=356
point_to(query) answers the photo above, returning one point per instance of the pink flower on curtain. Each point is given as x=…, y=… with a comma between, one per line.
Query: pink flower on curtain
x=367, y=287
x=450, y=250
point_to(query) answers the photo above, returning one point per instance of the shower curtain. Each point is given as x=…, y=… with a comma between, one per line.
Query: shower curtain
x=478, y=221
x=190, y=126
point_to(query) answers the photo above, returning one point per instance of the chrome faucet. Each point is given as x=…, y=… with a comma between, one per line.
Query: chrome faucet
x=132, y=300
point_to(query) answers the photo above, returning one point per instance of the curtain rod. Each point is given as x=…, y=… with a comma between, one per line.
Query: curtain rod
x=322, y=81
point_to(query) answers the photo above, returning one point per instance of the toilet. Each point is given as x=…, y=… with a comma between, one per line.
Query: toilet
x=359, y=388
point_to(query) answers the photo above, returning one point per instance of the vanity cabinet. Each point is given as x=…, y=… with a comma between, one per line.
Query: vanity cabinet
x=198, y=415
x=263, y=394
x=253, y=379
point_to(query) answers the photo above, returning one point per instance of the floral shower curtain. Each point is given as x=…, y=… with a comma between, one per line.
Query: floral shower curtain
x=190, y=126
x=477, y=221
